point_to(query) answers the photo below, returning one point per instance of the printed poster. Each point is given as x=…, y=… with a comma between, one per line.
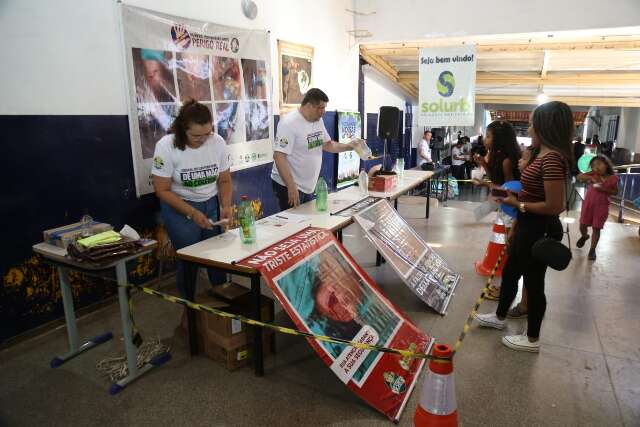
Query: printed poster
x=356, y=207
x=325, y=292
x=447, y=86
x=419, y=266
x=349, y=127
x=170, y=59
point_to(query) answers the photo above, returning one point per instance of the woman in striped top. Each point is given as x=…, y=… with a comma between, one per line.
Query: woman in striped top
x=539, y=203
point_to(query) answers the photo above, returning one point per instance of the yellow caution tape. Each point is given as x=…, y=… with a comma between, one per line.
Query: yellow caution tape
x=289, y=331
x=408, y=354
x=474, y=310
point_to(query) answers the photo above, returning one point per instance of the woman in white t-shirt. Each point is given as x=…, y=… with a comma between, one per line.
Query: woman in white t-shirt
x=192, y=180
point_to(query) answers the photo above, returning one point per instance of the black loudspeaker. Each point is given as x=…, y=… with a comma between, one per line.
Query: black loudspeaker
x=388, y=122
x=438, y=138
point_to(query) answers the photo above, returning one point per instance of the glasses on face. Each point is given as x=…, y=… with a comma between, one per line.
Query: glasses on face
x=198, y=137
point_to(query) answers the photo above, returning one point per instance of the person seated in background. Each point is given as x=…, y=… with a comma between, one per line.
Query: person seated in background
x=457, y=160
x=425, y=162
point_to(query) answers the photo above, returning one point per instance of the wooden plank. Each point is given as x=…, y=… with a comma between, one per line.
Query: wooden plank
x=571, y=100
x=411, y=48
x=551, y=78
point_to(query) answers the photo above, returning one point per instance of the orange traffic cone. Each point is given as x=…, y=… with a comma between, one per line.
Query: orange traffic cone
x=494, y=248
x=437, y=406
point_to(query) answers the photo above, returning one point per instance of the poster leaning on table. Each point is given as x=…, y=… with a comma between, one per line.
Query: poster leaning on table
x=326, y=293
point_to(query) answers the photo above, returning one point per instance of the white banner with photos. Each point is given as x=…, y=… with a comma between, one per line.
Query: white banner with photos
x=170, y=59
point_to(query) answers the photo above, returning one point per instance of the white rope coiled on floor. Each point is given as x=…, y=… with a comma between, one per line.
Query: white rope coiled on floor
x=115, y=368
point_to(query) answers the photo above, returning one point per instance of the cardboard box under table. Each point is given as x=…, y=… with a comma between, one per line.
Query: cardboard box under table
x=228, y=340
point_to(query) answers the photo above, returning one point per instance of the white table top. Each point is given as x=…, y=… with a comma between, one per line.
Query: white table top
x=410, y=179
x=226, y=249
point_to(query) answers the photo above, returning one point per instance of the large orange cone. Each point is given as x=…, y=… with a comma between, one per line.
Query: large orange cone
x=494, y=248
x=437, y=406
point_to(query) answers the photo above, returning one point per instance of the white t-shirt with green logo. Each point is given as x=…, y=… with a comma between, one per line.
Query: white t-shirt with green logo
x=301, y=141
x=193, y=172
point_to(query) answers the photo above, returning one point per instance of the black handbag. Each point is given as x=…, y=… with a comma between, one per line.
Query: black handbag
x=551, y=252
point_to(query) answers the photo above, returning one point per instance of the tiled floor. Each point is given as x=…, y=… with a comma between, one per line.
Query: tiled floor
x=587, y=373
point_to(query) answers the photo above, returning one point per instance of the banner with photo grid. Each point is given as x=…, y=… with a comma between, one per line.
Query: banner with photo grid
x=170, y=59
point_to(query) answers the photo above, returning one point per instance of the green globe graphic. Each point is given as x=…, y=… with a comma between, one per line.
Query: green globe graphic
x=446, y=83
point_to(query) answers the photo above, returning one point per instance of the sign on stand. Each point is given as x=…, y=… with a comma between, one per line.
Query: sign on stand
x=419, y=266
x=447, y=83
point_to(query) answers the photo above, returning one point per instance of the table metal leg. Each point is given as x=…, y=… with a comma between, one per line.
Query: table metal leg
x=75, y=348
x=395, y=203
x=190, y=272
x=446, y=191
x=258, y=358
x=133, y=372
x=426, y=215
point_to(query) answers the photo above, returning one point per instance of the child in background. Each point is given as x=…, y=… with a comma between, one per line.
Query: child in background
x=595, y=210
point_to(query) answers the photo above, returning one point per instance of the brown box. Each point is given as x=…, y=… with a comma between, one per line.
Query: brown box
x=229, y=340
x=237, y=356
x=230, y=291
x=382, y=182
x=67, y=234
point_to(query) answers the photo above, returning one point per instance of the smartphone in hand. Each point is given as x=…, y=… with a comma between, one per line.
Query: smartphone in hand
x=499, y=192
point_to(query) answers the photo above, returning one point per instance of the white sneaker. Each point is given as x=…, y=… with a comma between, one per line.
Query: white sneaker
x=489, y=320
x=521, y=342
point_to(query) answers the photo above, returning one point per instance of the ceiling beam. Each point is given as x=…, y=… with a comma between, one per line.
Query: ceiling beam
x=550, y=78
x=585, y=101
x=411, y=48
x=387, y=69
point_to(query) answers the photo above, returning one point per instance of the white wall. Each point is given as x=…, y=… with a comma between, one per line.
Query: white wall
x=379, y=91
x=629, y=129
x=401, y=20
x=65, y=56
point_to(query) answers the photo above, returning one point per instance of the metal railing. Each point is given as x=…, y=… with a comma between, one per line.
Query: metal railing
x=628, y=191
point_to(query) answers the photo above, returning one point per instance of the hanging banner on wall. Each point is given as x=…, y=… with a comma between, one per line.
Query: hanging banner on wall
x=447, y=86
x=349, y=127
x=419, y=266
x=170, y=59
x=325, y=292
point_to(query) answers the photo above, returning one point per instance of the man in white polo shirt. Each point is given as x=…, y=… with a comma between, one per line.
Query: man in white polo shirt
x=297, y=150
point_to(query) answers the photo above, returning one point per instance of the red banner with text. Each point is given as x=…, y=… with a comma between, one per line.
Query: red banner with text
x=325, y=292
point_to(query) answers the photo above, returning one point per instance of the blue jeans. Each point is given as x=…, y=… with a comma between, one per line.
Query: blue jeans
x=282, y=194
x=184, y=232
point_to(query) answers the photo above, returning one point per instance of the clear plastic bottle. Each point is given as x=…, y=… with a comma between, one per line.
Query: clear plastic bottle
x=85, y=226
x=321, y=195
x=363, y=183
x=247, y=221
x=399, y=169
x=362, y=149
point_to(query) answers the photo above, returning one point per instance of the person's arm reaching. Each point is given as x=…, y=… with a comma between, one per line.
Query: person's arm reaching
x=336, y=147
x=225, y=189
x=282, y=164
x=162, y=186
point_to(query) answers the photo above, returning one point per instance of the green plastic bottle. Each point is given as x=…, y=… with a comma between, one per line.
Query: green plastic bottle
x=321, y=195
x=247, y=221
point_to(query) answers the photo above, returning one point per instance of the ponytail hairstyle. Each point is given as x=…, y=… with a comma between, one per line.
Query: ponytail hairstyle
x=553, y=124
x=191, y=112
